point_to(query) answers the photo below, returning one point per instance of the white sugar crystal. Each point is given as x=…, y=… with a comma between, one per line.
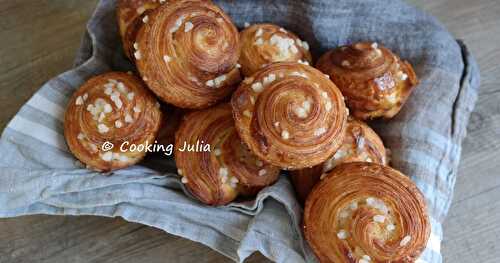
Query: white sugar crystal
x=107, y=156
x=85, y=96
x=140, y=10
x=79, y=100
x=167, y=58
x=118, y=124
x=121, y=87
x=246, y=24
x=259, y=41
x=247, y=113
x=128, y=118
x=108, y=108
x=285, y=134
x=257, y=87
x=305, y=45
x=328, y=105
x=268, y=79
x=137, y=109
x=390, y=227
x=179, y=171
x=342, y=234
x=259, y=32
x=346, y=63
x=188, y=26
x=184, y=180
x=136, y=45
x=353, y=205
x=223, y=171
x=210, y=83
x=319, y=131
x=102, y=128
x=137, y=55
x=80, y=136
x=178, y=24
x=145, y=19
x=294, y=49
x=219, y=80
x=262, y=172
x=374, y=45
x=300, y=112
x=405, y=241
x=130, y=96
x=217, y=152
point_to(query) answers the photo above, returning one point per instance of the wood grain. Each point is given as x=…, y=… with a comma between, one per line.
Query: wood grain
x=39, y=40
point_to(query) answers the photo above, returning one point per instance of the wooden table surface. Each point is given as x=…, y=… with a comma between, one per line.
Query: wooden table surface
x=39, y=39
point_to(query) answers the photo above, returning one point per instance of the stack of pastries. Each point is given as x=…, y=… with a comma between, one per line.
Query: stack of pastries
x=254, y=98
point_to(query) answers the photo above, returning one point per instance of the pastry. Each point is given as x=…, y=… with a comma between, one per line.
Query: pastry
x=361, y=144
x=130, y=14
x=111, y=109
x=171, y=120
x=290, y=115
x=375, y=81
x=218, y=174
x=366, y=212
x=262, y=44
x=187, y=53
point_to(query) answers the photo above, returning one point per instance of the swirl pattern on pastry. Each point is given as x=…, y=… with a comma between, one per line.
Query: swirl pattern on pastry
x=262, y=44
x=130, y=14
x=290, y=115
x=187, y=53
x=375, y=81
x=218, y=176
x=366, y=212
x=361, y=144
x=114, y=107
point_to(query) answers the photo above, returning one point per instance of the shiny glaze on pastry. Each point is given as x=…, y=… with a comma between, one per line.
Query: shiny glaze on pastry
x=218, y=176
x=262, y=44
x=130, y=14
x=290, y=115
x=375, y=81
x=361, y=144
x=187, y=53
x=366, y=212
x=114, y=107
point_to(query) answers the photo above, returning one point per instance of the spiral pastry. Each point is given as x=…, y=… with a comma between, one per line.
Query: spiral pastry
x=187, y=53
x=375, y=81
x=262, y=44
x=290, y=115
x=171, y=121
x=130, y=14
x=366, y=212
x=217, y=176
x=361, y=144
x=111, y=109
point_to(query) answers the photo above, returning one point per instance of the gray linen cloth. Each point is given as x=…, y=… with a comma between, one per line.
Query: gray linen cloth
x=38, y=175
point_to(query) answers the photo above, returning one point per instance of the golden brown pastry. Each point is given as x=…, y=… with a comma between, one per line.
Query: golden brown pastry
x=262, y=44
x=170, y=123
x=217, y=176
x=366, y=212
x=290, y=115
x=375, y=81
x=117, y=108
x=187, y=53
x=130, y=14
x=361, y=144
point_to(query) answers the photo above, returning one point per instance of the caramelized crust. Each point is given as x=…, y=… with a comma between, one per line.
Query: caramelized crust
x=361, y=144
x=130, y=14
x=262, y=44
x=187, y=53
x=366, y=212
x=374, y=80
x=229, y=168
x=290, y=115
x=114, y=107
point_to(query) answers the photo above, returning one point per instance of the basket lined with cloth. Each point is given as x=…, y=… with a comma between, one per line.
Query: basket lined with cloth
x=40, y=176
